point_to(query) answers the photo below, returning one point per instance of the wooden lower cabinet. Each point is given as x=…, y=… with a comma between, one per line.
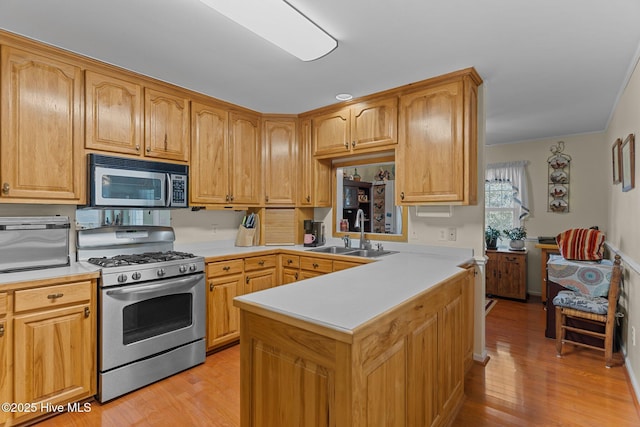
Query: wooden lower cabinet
x=260, y=273
x=506, y=274
x=54, y=346
x=224, y=319
x=5, y=349
x=314, y=266
x=405, y=367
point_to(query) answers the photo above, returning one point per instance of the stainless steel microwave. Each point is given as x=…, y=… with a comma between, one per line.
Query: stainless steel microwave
x=132, y=183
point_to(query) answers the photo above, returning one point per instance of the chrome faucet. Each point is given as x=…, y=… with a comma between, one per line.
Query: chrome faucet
x=364, y=243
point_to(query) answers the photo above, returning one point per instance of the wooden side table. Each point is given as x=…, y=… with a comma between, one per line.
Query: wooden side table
x=506, y=273
x=546, y=250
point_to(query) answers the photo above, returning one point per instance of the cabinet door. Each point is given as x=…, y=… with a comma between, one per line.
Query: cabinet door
x=166, y=125
x=54, y=355
x=331, y=133
x=223, y=318
x=289, y=275
x=513, y=280
x=323, y=184
x=260, y=280
x=113, y=114
x=209, y=166
x=431, y=153
x=374, y=124
x=41, y=139
x=5, y=391
x=280, y=165
x=245, y=175
x=307, y=274
x=306, y=165
x=492, y=274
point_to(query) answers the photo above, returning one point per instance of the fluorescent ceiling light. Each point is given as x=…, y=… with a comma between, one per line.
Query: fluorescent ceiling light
x=278, y=22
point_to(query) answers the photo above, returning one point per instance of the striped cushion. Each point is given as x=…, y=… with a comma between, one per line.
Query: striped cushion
x=581, y=244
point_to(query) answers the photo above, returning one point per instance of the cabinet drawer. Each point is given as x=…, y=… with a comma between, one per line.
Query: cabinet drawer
x=290, y=261
x=221, y=268
x=3, y=303
x=259, y=262
x=316, y=264
x=52, y=296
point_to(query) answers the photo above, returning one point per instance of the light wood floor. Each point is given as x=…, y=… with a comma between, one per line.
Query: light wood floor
x=524, y=384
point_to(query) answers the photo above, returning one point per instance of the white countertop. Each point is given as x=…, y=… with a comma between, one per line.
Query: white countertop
x=75, y=268
x=346, y=299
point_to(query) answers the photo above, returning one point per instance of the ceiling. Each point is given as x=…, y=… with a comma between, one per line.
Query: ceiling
x=550, y=68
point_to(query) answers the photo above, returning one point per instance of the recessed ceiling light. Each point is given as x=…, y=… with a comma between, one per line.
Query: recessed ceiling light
x=344, y=96
x=279, y=23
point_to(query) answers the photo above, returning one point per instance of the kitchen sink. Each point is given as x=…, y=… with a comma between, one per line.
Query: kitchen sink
x=370, y=253
x=331, y=250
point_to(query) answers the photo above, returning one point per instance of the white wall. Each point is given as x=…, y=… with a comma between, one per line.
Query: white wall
x=623, y=225
x=590, y=175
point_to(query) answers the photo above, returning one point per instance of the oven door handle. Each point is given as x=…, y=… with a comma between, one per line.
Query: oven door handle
x=157, y=288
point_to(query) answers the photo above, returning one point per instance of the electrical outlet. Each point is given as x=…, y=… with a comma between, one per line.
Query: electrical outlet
x=442, y=235
x=633, y=336
x=452, y=234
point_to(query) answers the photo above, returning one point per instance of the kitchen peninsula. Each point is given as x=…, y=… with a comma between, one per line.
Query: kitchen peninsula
x=380, y=344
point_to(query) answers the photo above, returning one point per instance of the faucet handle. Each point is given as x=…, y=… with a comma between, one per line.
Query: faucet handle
x=379, y=246
x=346, y=240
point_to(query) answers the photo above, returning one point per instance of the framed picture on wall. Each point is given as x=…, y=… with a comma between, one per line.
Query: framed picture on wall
x=627, y=163
x=615, y=160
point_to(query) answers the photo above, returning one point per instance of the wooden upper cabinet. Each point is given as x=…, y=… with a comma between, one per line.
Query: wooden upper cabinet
x=209, y=166
x=245, y=147
x=167, y=123
x=113, y=114
x=41, y=141
x=280, y=166
x=314, y=182
x=437, y=153
x=365, y=126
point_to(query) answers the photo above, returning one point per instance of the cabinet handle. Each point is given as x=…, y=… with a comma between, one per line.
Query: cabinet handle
x=210, y=287
x=148, y=149
x=137, y=147
x=261, y=262
x=247, y=280
x=1, y=330
x=402, y=196
x=308, y=198
x=226, y=268
x=511, y=259
x=296, y=275
x=165, y=142
x=353, y=143
x=231, y=197
x=87, y=312
x=266, y=198
x=55, y=296
x=289, y=261
x=346, y=145
x=5, y=188
x=315, y=265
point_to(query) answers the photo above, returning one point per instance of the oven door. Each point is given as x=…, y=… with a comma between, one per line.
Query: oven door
x=139, y=321
x=125, y=187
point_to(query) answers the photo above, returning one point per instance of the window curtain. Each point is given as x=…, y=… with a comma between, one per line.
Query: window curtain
x=516, y=174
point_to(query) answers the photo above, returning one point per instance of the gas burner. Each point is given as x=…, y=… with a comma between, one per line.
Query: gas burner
x=143, y=258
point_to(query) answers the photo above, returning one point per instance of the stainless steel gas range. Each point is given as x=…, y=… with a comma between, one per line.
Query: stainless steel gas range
x=152, y=317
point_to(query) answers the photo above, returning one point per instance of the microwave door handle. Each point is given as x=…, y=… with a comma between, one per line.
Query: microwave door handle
x=169, y=192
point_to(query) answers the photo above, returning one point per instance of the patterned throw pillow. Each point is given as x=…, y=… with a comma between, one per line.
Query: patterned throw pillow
x=581, y=244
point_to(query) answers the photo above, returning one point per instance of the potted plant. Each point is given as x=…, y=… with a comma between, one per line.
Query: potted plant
x=516, y=236
x=491, y=237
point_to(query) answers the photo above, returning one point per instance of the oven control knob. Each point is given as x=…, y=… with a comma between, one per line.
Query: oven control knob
x=136, y=276
x=193, y=267
x=183, y=268
x=161, y=272
x=122, y=278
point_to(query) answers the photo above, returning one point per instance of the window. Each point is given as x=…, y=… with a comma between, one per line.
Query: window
x=501, y=211
x=506, y=201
